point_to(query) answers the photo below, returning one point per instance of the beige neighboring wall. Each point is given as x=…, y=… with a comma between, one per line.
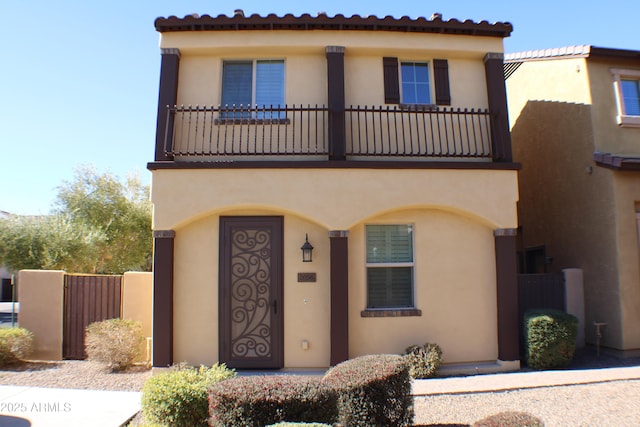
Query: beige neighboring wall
x=41, y=310
x=137, y=304
x=627, y=203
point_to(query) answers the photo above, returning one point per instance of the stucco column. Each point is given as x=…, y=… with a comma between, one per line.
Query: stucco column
x=335, y=85
x=339, y=276
x=507, y=293
x=497, y=92
x=163, y=298
x=168, y=95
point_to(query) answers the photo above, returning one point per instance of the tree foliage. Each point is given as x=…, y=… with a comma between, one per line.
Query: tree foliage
x=99, y=225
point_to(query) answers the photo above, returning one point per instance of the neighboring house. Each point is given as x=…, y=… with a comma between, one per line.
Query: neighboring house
x=575, y=121
x=383, y=140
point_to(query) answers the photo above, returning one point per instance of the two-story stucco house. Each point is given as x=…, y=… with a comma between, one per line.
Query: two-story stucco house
x=382, y=142
x=575, y=117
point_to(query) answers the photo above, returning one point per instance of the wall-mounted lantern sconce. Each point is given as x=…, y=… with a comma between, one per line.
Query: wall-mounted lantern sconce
x=307, y=249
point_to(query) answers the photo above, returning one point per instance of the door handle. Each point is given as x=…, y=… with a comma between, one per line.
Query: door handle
x=275, y=306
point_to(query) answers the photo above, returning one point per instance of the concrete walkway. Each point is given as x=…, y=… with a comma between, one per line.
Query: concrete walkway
x=50, y=407
x=520, y=380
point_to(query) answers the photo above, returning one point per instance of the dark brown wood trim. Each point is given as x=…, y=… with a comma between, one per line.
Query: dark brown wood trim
x=619, y=163
x=339, y=277
x=507, y=294
x=441, y=77
x=497, y=92
x=349, y=164
x=163, y=299
x=306, y=22
x=400, y=312
x=391, y=80
x=336, y=102
x=168, y=96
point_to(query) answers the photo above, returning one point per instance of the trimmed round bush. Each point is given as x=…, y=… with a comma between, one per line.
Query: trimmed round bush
x=114, y=342
x=372, y=390
x=15, y=344
x=423, y=360
x=178, y=398
x=268, y=399
x=550, y=338
x=510, y=419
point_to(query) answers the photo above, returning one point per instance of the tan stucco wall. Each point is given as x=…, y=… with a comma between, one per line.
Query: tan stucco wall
x=41, y=310
x=137, y=304
x=454, y=287
x=306, y=305
x=330, y=196
x=305, y=63
x=454, y=213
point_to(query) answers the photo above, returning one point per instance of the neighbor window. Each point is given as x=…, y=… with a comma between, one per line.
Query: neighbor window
x=416, y=88
x=258, y=83
x=389, y=266
x=627, y=92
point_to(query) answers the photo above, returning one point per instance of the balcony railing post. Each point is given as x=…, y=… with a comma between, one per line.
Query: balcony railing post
x=336, y=102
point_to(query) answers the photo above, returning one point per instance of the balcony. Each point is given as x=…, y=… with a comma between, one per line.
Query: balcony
x=313, y=133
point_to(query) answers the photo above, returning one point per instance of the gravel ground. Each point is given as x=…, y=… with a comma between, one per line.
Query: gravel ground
x=74, y=374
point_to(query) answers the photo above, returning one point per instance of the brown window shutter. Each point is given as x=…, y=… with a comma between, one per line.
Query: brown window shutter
x=391, y=81
x=441, y=75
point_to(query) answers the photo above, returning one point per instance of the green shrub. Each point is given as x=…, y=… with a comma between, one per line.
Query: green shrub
x=372, y=390
x=510, y=419
x=114, y=342
x=424, y=360
x=178, y=398
x=550, y=338
x=15, y=344
x=263, y=400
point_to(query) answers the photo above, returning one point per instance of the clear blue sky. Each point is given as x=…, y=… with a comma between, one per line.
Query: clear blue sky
x=79, y=79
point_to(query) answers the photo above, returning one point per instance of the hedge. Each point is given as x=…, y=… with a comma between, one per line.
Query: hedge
x=372, y=390
x=550, y=337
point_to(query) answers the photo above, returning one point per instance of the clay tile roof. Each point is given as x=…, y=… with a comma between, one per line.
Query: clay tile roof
x=338, y=22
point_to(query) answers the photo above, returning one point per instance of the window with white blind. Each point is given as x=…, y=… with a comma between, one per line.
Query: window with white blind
x=627, y=92
x=389, y=266
x=258, y=84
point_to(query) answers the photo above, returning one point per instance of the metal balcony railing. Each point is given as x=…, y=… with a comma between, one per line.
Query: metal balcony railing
x=209, y=133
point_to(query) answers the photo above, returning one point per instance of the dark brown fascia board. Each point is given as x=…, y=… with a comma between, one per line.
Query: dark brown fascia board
x=337, y=22
x=619, y=163
x=335, y=164
x=605, y=52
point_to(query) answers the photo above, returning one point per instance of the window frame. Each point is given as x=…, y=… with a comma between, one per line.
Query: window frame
x=623, y=119
x=409, y=310
x=253, y=114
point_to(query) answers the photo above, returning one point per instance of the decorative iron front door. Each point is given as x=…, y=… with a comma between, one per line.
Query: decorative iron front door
x=251, y=288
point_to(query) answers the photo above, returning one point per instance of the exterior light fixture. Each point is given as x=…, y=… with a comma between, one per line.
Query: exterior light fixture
x=307, y=249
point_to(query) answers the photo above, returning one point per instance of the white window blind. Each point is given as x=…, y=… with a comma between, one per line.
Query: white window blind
x=264, y=88
x=389, y=266
x=631, y=96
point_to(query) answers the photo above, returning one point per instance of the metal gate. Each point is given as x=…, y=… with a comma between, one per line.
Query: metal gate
x=87, y=299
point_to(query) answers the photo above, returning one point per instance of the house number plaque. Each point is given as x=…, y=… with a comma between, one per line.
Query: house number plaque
x=306, y=277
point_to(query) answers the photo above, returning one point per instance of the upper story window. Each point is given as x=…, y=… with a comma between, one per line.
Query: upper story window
x=410, y=82
x=416, y=88
x=627, y=91
x=253, y=83
x=389, y=266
